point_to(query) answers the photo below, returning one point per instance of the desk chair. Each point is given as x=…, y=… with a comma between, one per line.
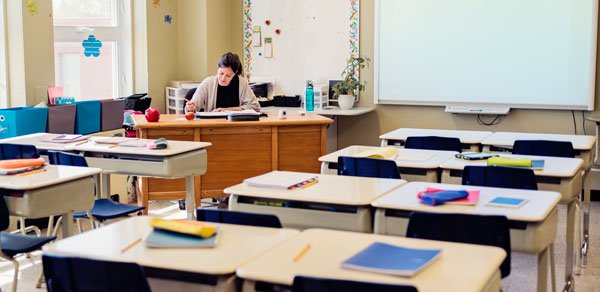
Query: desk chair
x=309, y=284
x=19, y=151
x=103, y=209
x=433, y=143
x=544, y=148
x=239, y=218
x=367, y=167
x=500, y=177
x=78, y=274
x=188, y=96
x=13, y=244
x=464, y=228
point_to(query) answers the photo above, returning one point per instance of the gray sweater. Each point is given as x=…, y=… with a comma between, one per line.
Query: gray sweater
x=205, y=96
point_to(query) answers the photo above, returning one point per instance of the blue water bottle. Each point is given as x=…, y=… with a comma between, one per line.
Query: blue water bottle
x=309, y=101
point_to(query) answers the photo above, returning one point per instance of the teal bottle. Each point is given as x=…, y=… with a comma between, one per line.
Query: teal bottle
x=309, y=102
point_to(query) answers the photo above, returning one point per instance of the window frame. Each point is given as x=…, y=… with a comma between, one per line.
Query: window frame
x=120, y=34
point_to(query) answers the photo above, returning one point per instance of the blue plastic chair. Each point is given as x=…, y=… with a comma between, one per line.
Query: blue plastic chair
x=310, y=284
x=17, y=151
x=239, y=218
x=544, y=148
x=466, y=228
x=103, y=209
x=433, y=143
x=77, y=274
x=13, y=244
x=367, y=167
x=499, y=177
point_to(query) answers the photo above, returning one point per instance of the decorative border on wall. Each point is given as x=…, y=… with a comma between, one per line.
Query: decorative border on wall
x=354, y=43
x=355, y=31
x=247, y=23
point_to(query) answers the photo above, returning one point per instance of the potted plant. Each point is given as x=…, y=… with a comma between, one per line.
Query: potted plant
x=347, y=90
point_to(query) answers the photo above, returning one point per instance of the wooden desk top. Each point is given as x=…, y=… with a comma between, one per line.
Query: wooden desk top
x=461, y=267
x=331, y=189
x=237, y=245
x=507, y=139
x=414, y=158
x=540, y=204
x=466, y=137
x=53, y=175
x=553, y=166
x=170, y=121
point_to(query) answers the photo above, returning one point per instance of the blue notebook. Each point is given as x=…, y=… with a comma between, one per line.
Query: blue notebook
x=167, y=239
x=390, y=259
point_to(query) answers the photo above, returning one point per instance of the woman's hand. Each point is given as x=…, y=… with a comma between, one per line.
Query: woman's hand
x=190, y=107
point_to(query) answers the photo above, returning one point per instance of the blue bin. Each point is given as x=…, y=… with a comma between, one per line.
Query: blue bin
x=22, y=121
x=87, y=118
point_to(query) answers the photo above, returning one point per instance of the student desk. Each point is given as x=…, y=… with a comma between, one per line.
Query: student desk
x=461, y=267
x=560, y=174
x=336, y=202
x=168, y=268
x=583, y=145
x=179, y=159
x=471, y=140
x=60, y=190
x=533, y=225
x=414, y=164
x=240, y=149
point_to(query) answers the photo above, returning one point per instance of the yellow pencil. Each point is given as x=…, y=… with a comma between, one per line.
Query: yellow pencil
x=113, y=146
x=302, y=252
x=131, y=245
x=33, y=171
x=82, y=142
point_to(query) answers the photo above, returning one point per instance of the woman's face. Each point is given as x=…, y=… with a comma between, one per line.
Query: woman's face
x=224, y=75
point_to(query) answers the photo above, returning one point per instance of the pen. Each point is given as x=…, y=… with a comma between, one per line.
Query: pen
x=132, y=244
x=302, y=252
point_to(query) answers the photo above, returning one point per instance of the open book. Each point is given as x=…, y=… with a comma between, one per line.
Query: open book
x=283, y=180
x=390, y=259
x=389, y=152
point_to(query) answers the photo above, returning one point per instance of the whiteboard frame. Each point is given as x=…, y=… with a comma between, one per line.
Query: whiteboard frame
x=353, y=26
x=588, y=107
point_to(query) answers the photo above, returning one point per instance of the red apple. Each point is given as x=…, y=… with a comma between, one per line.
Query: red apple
x=190, y=116
x=152, y=115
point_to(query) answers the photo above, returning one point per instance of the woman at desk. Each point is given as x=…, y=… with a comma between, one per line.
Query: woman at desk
x=227, y=90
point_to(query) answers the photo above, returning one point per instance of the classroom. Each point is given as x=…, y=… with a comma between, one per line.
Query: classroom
x=299, y=145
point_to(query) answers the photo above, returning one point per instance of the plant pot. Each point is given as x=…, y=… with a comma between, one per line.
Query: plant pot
x=346, y=101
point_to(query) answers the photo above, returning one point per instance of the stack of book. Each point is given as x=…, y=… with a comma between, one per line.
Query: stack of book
x=434, y=197
x=15, y=166
x=65, y=138
x=182, y=234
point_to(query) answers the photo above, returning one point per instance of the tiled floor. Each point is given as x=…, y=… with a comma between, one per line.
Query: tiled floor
x=522, y=277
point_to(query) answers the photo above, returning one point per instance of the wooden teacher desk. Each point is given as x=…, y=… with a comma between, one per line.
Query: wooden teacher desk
x=239, y=149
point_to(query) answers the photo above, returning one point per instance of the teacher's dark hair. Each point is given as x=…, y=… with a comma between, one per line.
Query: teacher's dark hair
x=232, y=61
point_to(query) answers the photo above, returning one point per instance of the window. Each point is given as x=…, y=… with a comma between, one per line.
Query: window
x=3, y=68
x=89, y=75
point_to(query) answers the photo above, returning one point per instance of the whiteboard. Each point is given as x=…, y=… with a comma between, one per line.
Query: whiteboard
x=315, y=39
x=516, y=53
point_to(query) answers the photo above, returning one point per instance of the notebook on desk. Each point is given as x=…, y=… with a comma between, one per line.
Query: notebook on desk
x=281, y=180
x=390, y=259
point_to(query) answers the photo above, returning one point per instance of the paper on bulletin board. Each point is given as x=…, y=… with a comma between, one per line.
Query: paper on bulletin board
x=256, y=37
x=268, y=52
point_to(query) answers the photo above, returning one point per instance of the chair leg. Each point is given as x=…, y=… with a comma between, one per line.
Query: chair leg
x=22, y=225
x=50, y=225
x=57, y=227
x=40, y=280
x=578, y=234
x=79, y=225
x=552, y=267
x=16, y=276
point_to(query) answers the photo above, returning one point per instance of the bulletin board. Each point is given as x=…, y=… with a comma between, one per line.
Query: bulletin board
x=309, y=40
